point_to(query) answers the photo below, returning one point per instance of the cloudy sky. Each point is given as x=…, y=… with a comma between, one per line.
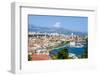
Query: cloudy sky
x=74, y=23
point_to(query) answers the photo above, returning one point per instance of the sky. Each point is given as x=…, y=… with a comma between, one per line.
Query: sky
x=73, y=23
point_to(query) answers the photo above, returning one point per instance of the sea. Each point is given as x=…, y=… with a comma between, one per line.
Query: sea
x=75, y=50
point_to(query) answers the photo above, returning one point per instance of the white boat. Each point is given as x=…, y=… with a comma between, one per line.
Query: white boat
x=77, y=45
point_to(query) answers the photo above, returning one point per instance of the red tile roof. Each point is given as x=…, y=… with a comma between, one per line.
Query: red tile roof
x=40, y=57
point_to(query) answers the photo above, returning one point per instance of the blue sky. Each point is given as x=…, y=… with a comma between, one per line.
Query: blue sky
x=74, y=23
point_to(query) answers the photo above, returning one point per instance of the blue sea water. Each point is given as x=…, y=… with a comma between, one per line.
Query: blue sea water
x=74, y=50
x=77, y=51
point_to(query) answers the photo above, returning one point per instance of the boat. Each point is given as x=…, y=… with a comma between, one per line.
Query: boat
x=77, y=45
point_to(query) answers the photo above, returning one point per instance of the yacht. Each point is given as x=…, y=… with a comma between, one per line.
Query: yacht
x=79, y=45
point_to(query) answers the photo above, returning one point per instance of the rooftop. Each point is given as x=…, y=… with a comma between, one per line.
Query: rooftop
x=40, y=57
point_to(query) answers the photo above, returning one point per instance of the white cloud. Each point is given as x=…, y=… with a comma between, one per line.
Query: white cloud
x=57, y=25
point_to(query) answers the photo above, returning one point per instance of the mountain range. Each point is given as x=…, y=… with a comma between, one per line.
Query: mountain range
x=34, y=28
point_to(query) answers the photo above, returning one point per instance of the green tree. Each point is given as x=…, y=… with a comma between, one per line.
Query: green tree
x=85, y=53
x=63, y=54
x=29, y=57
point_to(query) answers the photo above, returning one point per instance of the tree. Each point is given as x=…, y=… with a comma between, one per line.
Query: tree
x=29, y=57
x=63, y=54
x=85, y=53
